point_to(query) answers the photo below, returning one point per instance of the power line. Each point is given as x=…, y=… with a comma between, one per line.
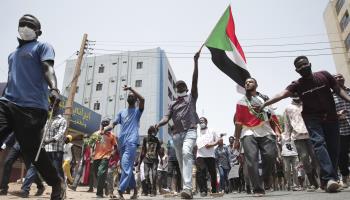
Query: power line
x=65, y=60
x=253, y=45
x=247, y=52
x=241, y=39
x=250, y=57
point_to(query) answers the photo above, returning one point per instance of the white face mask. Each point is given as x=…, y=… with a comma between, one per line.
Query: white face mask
x=26, y=33
x=182, y=94
x=202, y=125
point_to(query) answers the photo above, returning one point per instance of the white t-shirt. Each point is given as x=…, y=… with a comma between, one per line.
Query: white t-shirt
x=67, y=152
x=205, y=137
x=258, y=131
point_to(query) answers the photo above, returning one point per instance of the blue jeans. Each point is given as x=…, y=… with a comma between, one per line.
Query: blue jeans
x=324, y=137
x=31, y=176
x=184, y=143
x=128, y=154
x=223, y=178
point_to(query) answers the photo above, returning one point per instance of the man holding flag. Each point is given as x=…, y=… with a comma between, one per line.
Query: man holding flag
x=183, y=113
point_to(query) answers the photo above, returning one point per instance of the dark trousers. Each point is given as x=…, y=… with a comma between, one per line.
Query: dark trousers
x=13, y=155
x=92, y=176
x=235, y=185
x=267, y=147
x=151, y=168
x=344, y=155
x=205, y=165
x=27, y=124
x=174, y=174
x=57, y=160
x=162, y=180
x=324, y=137
x=101, y=167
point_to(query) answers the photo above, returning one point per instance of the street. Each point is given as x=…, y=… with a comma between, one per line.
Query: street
x=283, y=195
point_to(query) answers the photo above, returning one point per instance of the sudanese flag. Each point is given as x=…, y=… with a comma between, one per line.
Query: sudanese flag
x=226, y=52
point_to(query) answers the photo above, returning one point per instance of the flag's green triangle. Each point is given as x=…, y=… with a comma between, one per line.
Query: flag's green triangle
x=218, y=37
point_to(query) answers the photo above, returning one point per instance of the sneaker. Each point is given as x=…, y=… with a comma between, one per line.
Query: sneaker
x=3, y=192
x=203, y=194
x=311, y=189
x=217, y=194
x=343, y=183
x=75, y=188
x=259, y=194
x=90, y=190
x=120, y=195
x=20, y=193
x=165, y=191
x=332, y=186
x=40, y=191
x=58, y=191
x=186, y=194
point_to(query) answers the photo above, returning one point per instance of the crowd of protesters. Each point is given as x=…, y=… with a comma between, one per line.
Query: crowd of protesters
x=305, y=149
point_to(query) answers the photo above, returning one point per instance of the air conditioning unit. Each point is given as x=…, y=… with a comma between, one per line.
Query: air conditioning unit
x=110, y=98
x=89, y=82
x=86, y=100
x=121, y=97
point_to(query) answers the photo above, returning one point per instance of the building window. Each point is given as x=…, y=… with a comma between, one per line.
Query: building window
x=98, y=86
x=138, y=83
x=170, y=77
x=339, y=5
x=124, y=62
x=347, y=42
x=101, y=69
x=97, y=105
x=170, y=94
x=344, y=21
x=114, y=63
x=90, y=66
x=139, y=65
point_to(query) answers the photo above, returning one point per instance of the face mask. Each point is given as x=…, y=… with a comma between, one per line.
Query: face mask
x=202, y=125
x=305, y=71
x=182, y=94
x=26, y=33
x=131, y=100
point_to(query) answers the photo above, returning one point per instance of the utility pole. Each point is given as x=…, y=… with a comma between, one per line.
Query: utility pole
x=68, y=111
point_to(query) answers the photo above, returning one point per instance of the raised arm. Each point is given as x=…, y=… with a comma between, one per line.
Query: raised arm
x=194, y=89
x=138, y=96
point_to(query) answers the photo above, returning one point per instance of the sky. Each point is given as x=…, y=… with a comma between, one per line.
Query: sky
x=271, y=32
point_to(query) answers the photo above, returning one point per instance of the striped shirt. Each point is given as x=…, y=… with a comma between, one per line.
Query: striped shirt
x=56, y=131
x=341, y=104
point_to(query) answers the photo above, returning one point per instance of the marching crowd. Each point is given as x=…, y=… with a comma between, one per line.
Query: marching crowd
x=306, y=149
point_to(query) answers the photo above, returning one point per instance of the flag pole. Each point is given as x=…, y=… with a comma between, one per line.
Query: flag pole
x=200, y=49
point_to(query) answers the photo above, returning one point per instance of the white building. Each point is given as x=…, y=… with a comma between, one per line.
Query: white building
x=337, y=18
x=102, y=77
